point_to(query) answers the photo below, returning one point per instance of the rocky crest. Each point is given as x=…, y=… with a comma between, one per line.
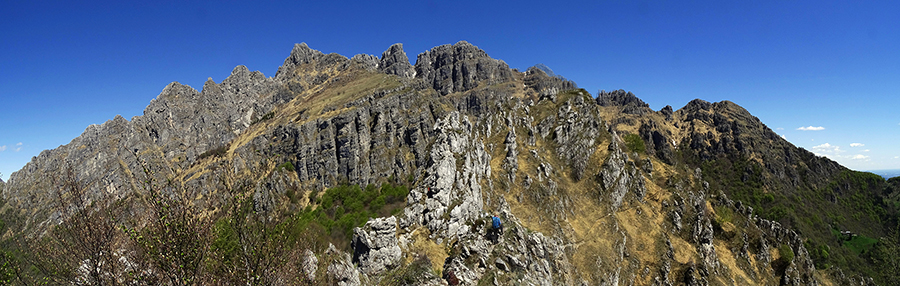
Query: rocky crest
x=582, y=203
x=459, y=67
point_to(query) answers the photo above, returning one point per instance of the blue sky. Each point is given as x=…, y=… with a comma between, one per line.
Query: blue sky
x=834, y=65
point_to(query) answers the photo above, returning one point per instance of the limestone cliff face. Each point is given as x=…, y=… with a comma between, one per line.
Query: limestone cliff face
x=459, y=67
x=472, y=137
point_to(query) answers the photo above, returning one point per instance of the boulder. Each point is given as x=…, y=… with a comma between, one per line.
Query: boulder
x=375, y=247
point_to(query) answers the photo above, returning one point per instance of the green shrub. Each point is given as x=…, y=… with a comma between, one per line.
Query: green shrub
x=819, y=253
x=226, y=244
x=285, y=166
x=724, y=214
x=378, y=203
x=265, y=117
x=634, y=143
x=786, y=253
x=345, y=207
x=860, y=244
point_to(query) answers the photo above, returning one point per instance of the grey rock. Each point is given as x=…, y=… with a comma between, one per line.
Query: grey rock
x=181, y=121
x=301, y=54
x=341, y=269
x=658, y=141
x=627, y=100
x=512, y=161
x=501, y=264
x=445, y=144
x=576, y=134
x=703, y=237
x=394, y=61
x=619, y=175
x=647, y=166
x=546, y=85
x=310, y=264
x=368, y=62
x=676, y=219
x=667, y=112
x=459, y=67
x=375, y=247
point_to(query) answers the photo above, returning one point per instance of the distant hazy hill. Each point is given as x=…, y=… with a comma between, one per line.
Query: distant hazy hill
x=887, y=174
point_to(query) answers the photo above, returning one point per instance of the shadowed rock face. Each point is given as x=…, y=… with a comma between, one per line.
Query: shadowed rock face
x=546, y=85
x=632, y=104
x=471, y=137
x=459, y=67
x=394, y=61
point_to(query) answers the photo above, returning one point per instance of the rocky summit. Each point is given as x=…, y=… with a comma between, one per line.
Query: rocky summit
x=374, y=171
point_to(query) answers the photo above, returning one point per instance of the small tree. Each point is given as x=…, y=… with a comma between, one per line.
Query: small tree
x=886, y=255
x=252, y=246
x=174, y=239
x=80, y=249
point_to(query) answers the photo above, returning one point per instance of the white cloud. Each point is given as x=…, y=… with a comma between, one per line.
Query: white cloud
x=2, y=148
x=867, y=150
x=859, y=157
x=827, y=148
x=857, y=144
x=896, y=157
x=811, y=128
x=779, y=128
x=782, y=137
x=19, y=144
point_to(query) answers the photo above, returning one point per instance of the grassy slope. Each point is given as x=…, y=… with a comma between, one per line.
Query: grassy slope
x=818, y=208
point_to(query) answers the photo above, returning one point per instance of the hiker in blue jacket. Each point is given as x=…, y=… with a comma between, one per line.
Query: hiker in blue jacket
x=496, y=227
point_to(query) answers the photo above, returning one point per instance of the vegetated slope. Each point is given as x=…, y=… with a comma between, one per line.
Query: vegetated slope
x=592, y=191
x=742, y=158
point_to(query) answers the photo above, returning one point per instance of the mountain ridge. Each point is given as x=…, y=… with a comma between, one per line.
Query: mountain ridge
x=470, y=135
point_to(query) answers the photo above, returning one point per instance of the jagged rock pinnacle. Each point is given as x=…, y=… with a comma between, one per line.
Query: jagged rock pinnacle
x=301, y=54
x=394, y=61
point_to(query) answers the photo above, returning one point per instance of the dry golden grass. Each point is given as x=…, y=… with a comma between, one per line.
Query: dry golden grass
x=823, y=278
x=422, y=245
x=727, y=259
x=321, y=101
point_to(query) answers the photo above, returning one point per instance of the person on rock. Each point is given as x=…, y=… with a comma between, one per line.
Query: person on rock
x=496, y=226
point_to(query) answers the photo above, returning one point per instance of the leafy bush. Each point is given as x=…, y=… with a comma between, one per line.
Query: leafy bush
x=786, y=253
x=634, y=143
x=819, y=253
x=860, y=244
x=724, y=214
x=345, y=207
x=265, y=117
x=286, y=166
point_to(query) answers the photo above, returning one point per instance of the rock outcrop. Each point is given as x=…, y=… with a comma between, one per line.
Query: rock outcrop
x=394, y=61
x=459, y=67
x=619, y=176
x=632, y=104
x=546, y=85
x=375, y=246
